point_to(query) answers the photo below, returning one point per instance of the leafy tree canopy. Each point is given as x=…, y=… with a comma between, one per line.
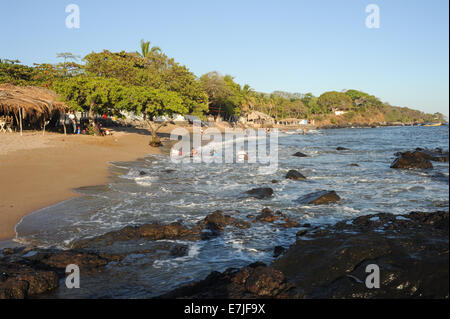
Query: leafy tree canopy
x=335, y=100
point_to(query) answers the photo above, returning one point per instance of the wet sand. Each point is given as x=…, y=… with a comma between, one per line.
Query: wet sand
x=38, y=171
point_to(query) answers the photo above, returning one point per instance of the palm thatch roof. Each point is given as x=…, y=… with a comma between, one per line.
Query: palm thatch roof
x=35, y=102
x=255, y=115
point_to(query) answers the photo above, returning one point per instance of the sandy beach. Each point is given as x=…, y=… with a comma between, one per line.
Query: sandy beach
x=37, y=171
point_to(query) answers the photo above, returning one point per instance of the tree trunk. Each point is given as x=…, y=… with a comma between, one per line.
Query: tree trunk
x=64, y=124
x=155, y=141
x=92, y=121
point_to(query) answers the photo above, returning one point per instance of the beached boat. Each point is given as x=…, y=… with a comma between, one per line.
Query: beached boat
x=434, y=124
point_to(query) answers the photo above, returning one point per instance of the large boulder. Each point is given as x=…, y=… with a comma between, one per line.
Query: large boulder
x=419, y=158
x=18, y=281
x=410, y=250
x=295, y=175
x=217, y=221
x=84, y=260
x=260, y=193
x=414, y=159
x=319, y=198
x=154, y=231
x=268, y=216
x=172, y=231
x=436, y=155
x=254, y=281
x=300, y=154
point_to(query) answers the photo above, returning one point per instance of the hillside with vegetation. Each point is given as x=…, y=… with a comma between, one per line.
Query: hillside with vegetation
x=150, y=83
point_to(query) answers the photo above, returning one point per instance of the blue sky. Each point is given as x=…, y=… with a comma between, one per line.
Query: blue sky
x=296, y=46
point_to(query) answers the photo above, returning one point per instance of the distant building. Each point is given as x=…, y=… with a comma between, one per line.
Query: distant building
x=293, y=121
x=338, y=112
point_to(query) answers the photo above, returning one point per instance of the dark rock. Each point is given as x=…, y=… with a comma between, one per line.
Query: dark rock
x=179, y=251
x=319, y=198
x=300, y=154
x=278, y=251
x=414, y=159
x=306, y=225
x=124, y=234
x=171, y=231
x=7, y=251
x=301, y=233
x=260, y=193
x=241, y=224
x=217, y=221
x=21, y=281
x=403, y=163
x=354, y=165
x=254, y=281
x=342, y=149
x=274, y=181
x=83, y=260
x=295, y=175
x=289, y=223
x=267, y=216
x=419, y=158
x=153, y=231
x=411, y=251
x=436, y=155
x=142, y=173
x=263, y=281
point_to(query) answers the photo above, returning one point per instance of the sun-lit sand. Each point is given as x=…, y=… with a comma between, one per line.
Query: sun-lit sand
x=37, y=171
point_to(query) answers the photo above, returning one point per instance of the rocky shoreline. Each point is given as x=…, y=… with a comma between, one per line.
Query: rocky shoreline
x=366, y=125
x=410, y=250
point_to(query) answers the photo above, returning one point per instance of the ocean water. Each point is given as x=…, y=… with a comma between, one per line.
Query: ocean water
x=188, y=192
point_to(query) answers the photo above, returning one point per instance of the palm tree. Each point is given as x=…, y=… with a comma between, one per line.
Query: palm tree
x=147, y=51
x=248, y=98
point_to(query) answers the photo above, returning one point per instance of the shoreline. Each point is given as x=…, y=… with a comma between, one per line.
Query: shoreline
x=49, y=169
x=276, y=260
x=40, y=171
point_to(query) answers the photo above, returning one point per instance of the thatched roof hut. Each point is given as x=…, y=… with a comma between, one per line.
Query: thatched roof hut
x=259, y=117
x=36, y=103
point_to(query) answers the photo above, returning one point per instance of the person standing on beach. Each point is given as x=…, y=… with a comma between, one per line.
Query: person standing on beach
x=73, y=119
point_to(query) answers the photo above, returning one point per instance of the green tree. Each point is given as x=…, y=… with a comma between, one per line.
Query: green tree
x=151, y=102
x=335, y=100
x=11, y=71
x=312, y=105
x=91, y=94
x=133, y=70
x=248, y=98
x=147, y=51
